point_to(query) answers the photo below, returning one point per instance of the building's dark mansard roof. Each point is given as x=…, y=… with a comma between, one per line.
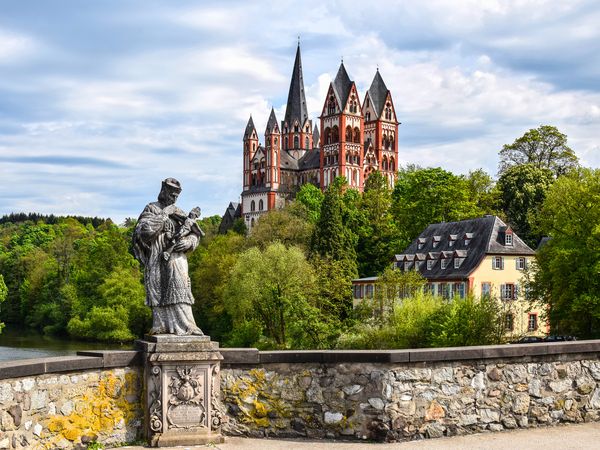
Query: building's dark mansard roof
x=378, y=93
x=316, y=136
x=342, y=85
x=272, y=126
x=486, y=237
x=296, y=104
x=249, y=128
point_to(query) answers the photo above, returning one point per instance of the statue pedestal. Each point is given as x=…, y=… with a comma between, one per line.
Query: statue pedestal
x=181, y=390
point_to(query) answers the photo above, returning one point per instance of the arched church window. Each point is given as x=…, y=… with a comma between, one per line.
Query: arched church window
x=368, y=116
x=306, y=143
x=260, y=205
x=327, y=135
x=296, y=142
x=348, y=133
x=357, y=135
x=331, y=105
x=252, y=206
x=335, y=134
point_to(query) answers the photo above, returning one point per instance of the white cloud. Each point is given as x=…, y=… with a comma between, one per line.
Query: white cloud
x=14, y=47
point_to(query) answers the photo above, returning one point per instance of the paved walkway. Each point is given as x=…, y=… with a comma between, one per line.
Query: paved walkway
x=562, y=437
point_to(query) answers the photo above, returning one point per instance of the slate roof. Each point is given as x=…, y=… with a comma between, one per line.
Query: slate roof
x=272, y=126
x=234, y=210
x=378, y=93
x=316, y=136
x=311, y=160
x=296, y=104
x=288, y=161
x=486, y=238
x=342, y=85
x=249, y=127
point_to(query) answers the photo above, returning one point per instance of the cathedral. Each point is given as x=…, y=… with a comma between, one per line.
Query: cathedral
x=356, y=138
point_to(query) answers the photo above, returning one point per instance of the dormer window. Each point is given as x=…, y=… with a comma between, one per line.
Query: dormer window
x=421, y=243
x=444, y=263
x=430, y=263
x=468, y=237
x=436, y=241
x=406, y=265
x=450, y=243
x=508, y=239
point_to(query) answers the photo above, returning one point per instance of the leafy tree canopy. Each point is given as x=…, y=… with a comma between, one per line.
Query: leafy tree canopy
x=522, y=190
x=432, y=195
x=544, y=148
x=567, y=276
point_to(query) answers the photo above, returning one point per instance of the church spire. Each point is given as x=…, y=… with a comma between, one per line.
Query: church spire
x=296, y=104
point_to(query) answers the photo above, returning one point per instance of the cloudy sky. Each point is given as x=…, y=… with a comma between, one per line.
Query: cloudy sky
x=101, y=100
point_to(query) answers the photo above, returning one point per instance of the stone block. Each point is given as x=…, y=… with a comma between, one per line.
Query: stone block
x=22, y=368
x=446, y=354
x=240, y=356
x=115, y=358
x=71, y=363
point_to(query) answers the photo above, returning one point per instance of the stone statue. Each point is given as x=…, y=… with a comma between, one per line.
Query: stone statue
x=163, y=236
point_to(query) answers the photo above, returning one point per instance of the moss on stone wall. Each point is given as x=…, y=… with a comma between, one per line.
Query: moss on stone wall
x=112, y=405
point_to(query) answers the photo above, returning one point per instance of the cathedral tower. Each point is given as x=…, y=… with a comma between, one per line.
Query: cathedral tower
x=250, y=147
x=296, y=127
x=342, y=133
x=273, y=154
x=381, y=130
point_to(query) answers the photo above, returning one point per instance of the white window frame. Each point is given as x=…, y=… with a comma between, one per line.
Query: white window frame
x=532, y=326
x=487, y=292
x=444, y=263
x=430, y=263
x=521, y=263
x=508, y=239
x=508, y=291
x=406, y=265
x=498, y=263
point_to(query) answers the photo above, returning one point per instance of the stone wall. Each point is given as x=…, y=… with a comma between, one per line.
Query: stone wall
x=67, y=402
x=410, y=394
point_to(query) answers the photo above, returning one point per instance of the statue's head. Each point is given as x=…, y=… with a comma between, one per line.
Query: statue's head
x=170, y=190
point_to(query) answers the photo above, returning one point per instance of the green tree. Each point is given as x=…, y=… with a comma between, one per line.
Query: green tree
x=269, y=293
x=523, y=189
x=392, y=286
x=483, y=191
x=209, y=275
x=425, y=196
x=543, y=148
x=3, y=295
x=566, y=279
x=331, y=237
x=311, y=197
x=376, y=238
x=282, y=225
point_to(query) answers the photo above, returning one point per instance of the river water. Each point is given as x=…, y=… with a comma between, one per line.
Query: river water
x=19, y=343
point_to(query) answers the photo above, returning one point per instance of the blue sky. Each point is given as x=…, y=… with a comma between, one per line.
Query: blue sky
x=100, y=101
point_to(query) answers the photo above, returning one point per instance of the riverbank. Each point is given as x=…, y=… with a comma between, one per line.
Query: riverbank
x=24, y=343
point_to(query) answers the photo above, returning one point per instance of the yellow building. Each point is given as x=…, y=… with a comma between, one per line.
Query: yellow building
x=480, y=256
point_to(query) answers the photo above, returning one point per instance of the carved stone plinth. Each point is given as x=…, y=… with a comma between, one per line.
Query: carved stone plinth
x=182, y=388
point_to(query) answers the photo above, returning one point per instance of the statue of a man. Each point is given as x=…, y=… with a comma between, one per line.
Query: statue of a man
x=162, y=237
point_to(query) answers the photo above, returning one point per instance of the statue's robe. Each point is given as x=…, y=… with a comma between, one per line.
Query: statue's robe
x=168, y=287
